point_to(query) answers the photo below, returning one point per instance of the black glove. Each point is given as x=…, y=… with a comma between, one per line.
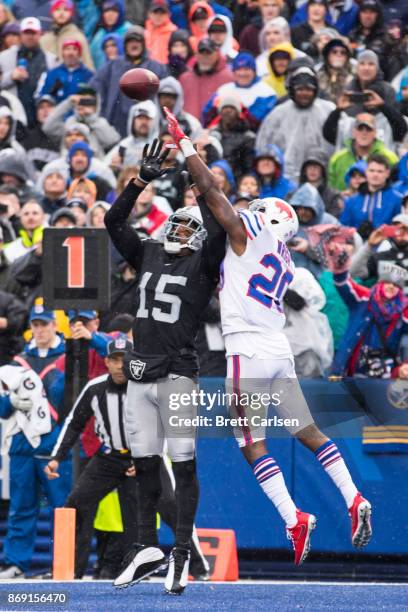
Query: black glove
x=294, y=300
x=151, y=161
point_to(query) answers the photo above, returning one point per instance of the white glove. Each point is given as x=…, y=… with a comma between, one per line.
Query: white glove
x=21, y=403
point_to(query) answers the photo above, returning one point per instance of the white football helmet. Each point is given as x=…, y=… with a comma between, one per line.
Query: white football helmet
x=190, y=217
x=281, y=218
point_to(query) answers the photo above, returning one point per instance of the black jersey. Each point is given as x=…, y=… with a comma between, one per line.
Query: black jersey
x=173, y=290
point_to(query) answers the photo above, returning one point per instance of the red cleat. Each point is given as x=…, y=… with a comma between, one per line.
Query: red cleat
x=360, y=514
x=300, y=535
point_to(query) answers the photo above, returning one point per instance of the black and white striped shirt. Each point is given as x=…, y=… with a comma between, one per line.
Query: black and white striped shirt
x=105, y=400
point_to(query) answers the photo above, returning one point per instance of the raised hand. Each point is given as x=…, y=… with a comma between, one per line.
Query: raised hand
x=175, y=130
x=152, y=160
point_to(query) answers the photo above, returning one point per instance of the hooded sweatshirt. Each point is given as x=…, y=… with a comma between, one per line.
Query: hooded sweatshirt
x=262, y=59
x=307, y=196
x=10, y=140
x=295, y=130
x=196, y=34
x=226, y=168
x=377, y=207
x=198, y=87
x=157, y=39
x=277, y=82
x=115, y=105
x=279, y=186
x=230, y=46
x=190, y=125
x=402, y=184
x=53, y=40
x=121, y=27
x=117, y=39
x=131, y=148
x=341, y=161
x=100, y=134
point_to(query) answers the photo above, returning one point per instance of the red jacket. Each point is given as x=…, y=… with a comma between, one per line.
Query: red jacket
x=157, y=40
x=198, y=88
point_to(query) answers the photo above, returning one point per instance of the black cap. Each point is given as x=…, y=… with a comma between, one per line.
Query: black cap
x=77, y=202
x=371, y=5
x=206, y=45
x=119, y=345
x=61, y=213
x=217, y=25
x=199, y=13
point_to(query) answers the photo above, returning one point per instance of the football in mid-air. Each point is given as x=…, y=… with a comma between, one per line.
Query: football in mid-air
x=139, y=84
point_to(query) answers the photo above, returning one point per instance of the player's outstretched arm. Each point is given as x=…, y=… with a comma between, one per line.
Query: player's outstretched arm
x=204, y=179
x=123, y=236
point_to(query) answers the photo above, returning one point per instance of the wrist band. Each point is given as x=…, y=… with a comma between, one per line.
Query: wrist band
x=187, y=147
x=139, y=178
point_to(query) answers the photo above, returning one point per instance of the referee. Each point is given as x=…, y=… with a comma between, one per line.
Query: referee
x=111, y=467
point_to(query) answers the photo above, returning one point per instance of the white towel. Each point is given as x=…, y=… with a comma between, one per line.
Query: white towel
x=36, y=422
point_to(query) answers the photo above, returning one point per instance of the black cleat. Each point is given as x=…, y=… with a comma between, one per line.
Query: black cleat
x=140, y=562
x=177, y=574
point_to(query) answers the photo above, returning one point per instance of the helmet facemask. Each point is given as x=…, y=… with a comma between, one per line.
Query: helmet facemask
x=177, y=223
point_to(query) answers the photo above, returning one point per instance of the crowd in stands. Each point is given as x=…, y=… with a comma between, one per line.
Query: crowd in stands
x=301, y=100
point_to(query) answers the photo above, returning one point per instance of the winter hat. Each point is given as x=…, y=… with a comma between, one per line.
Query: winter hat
x=244, y=60
x=55, y=168
x=229, y=100
x=391, y=273
x=72, y=43
x=332, y=44
x=80, y=146
x=360, y=167
x=59, y=3
x=77, y=127
x=135, y=33
x=226, y=168
x=303, y=77
x=368, y=56
x=60, y=214
x=82, y=181
x=77, y=202
x=159, y=4
x=10, y=28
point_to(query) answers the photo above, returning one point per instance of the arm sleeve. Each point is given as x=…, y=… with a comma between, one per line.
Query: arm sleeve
x=359, y=262
x=351, y=292
x=216, y=238
x=396, y=121
x=122, y=234
x=330, y=126
x=74, y=425
x=99, y=342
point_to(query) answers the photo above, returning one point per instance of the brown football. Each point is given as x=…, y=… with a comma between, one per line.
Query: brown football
x=139, y=84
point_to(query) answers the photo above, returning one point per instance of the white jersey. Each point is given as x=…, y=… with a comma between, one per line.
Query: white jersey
x=253, y=286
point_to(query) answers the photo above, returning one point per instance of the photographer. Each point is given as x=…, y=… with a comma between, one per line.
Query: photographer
x=388, y=243
x=366, y=93
x=83, y=108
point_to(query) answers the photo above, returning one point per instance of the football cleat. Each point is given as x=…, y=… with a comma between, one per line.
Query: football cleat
x=360, y=514
x=300, y=535
x=177, y=574
x=139, y=563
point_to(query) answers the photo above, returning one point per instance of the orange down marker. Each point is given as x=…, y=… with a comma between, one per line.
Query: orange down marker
x=64, y=544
